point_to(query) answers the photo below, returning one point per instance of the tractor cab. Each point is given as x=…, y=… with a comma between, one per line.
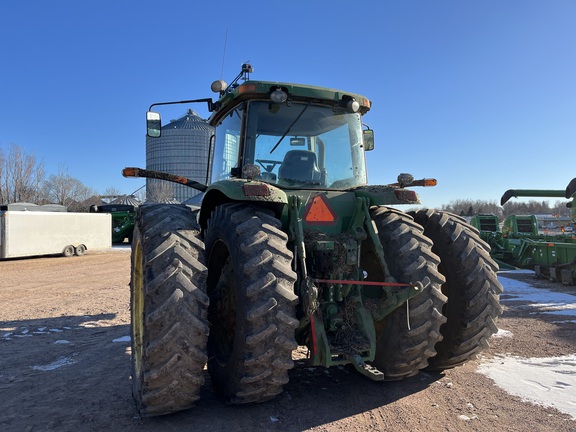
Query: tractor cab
x=291, y=144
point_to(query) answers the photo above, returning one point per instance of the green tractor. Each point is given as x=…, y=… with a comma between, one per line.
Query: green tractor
x=291, y=247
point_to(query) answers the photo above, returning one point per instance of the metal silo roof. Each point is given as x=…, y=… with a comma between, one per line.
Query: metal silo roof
x=191, y=120
x=126, y=200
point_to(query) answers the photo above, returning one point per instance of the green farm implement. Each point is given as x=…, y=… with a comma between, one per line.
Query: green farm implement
x=551, y=256
x=520, y=244
x=291, y=247
x=123, y=218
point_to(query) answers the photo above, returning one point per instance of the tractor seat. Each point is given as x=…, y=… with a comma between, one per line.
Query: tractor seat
x=300, y=166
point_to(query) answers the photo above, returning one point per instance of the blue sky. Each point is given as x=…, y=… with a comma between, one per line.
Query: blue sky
x=478, y=94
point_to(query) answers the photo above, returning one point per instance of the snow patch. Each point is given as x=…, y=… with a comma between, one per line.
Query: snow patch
x=502, y=334
x=550, y=381
x=542, y=300
x=64, y=361
x=547, y=381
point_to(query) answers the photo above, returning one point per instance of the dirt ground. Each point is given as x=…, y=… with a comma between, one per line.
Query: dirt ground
x=65, y=366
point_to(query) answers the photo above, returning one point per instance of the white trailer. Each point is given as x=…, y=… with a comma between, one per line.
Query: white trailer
x=24, y=233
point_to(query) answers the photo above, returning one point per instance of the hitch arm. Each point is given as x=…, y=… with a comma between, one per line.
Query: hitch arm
x=139, y=172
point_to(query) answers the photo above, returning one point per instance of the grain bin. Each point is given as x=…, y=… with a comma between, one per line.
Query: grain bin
x=182, y=150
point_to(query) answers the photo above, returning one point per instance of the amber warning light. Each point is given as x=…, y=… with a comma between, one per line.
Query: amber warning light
x=130, y=172
x=424, y=182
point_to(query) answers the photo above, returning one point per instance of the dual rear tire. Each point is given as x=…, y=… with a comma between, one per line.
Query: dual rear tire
x=406, y=338
x=252, y=303
x=250, y=317
x=471, y=286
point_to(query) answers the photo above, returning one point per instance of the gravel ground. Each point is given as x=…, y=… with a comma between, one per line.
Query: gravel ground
x=65, y=366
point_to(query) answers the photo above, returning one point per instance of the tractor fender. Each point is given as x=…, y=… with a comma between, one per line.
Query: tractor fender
x=387, y=195
x=241, y=190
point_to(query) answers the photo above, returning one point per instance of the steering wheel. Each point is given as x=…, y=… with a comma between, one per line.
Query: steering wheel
x=271, y=164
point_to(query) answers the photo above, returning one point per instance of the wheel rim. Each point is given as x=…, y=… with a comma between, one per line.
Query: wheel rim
x=137, y=309
x=222, y=310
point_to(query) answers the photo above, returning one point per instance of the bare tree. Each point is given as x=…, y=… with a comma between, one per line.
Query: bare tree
x=140, y=195
x=112, y=191
x=527, y=207
x=467, y=207
x=159, y=191
x=21, y=176
x=38, y=184
x=560, y=208
x=84, y=206
x=66, y=190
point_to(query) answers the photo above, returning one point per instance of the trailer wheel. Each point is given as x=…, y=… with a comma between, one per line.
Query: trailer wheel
x=169, y=306
x=406, y=337
x=252, y=304
x=471, y=285
x=68, y=251
x=80, y=250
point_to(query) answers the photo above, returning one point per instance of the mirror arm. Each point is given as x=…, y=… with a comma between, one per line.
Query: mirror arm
x=209, y=101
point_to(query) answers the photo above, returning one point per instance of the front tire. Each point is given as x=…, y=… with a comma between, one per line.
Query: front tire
x=406, y=337
x=168, y=310
x=252, y=300
x=471, y=285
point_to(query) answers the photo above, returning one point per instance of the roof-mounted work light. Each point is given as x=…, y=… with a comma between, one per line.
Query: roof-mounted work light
x=278, y=95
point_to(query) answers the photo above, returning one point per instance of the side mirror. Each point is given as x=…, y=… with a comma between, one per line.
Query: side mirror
x=368, y=138
x=153, y=124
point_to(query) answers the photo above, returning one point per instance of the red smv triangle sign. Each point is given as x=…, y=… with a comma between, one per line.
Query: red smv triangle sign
x=319, y=211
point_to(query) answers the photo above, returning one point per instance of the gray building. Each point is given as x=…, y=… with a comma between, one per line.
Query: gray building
x=182, y=150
